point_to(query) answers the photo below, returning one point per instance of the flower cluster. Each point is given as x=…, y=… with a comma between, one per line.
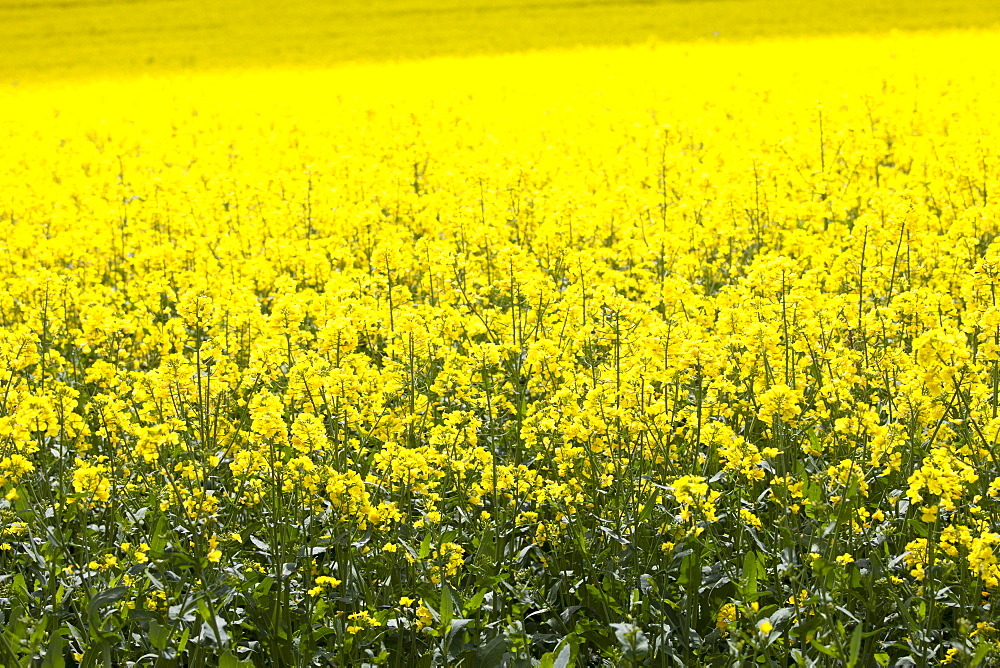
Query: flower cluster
x=650, y=362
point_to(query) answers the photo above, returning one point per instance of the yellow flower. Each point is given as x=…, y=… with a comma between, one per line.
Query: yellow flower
x=424, y=617
x=323, y=582
x=90, y=480
x=749, y=518
x=780, y=401
x=726, y=616
x=694, y=495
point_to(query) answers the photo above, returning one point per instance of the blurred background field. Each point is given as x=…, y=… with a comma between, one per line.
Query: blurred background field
x=43, y=41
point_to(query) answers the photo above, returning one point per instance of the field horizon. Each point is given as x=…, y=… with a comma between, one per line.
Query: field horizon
x=80, y=39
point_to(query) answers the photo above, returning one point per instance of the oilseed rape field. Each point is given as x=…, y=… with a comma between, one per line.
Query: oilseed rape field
x=671, y=354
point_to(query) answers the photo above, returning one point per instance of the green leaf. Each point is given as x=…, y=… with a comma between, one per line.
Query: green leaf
x=446, y=608
x=982, y=651
x=491, y=654
x=98, y=654
x=472, y=605
x=564, y=659
x=780, y=616
x=564, y=655
x=485, y=549
x=54, y=652
x=38, y=633
x=20, y=587
x=823, y=648
x=855, y=649
x=182, y=643
x=158, y=635
x=159, y=537
x=76, y=633
x=100, y=601
x=203, y=610
x=425, y=547
x=605, y=598
x=753, y=570
x=319, y=609
x=632, y=640
x=264, y=587
x=228, y=660
x=138, y=615
x=647, y=508
x=457, y=626
x=6, y=651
